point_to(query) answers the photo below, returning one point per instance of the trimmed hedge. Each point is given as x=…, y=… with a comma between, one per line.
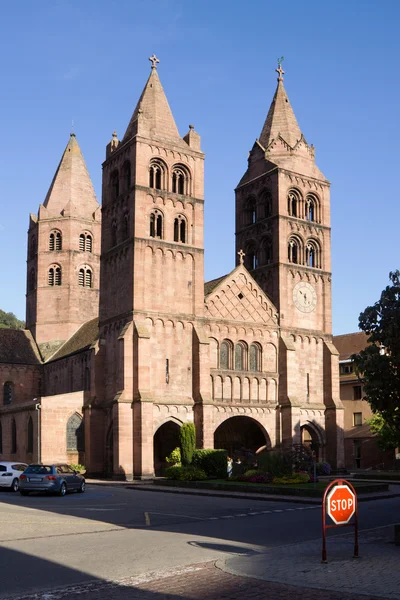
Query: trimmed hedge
x=214, y=462
x=187, y=438
x=189, y=473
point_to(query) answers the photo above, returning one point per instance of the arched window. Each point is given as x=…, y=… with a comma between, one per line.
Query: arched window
x=240, y=357
x=75, y=434
x=157, y=174
x=251, y=258
x=224, y=355
x=294, y=203
x=29, y=445
x=55, y=241
x=255, y=357
x=114, y=185
x=250, y=211
x=32, y=247
x=58, y=241
x=1, y=438
x=52, y=242
x=54, y=275
x=85, y=242
x=180, y=229
x=13, y=437
x=313, y=254
x=311, y=208
x=266, y=252
x=126, y=176
x=8, y=392
x=85, y=277
x=32, y=279
x=295, y=251
x=89, y=243
x=180, y=180
x=156, y=224
x=266, y=203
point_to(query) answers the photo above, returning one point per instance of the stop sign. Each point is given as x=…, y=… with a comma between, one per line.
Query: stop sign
x=341, y=504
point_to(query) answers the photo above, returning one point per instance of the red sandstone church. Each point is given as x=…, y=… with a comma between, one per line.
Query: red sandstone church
x=125, y=341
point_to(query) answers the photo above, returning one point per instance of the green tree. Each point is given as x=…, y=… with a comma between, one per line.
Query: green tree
x=388, y=438
x=378, y=366
x=10, y=321
x=187, y=437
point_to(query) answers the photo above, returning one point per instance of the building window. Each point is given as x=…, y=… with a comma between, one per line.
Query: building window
x=29, y=445
x=357, y=392
x=85, y=277
x=224, y=355
x=55, y=241
x=126, y=176
x=32, y=280
x=156, y=224
x=157, y=174
x=75, y=434
x=308, y=386
x=13, y=437
x=114, y=185
x=346, y=369
x=32, y=247
x=180, y=180
x=180, y=229
x=114, y=233
x=255, y=357
x=357, y=453
x=85, y=242
x=54, y=275
x=126, y=225
x=8, y=394
x=357, y=418
x=266, y=203
x=294, y=204
x=250, y=211
x=313, y=254
x=311, y=208
x=295, y=251
x=239, y=357
x=251, y=258
x=266, y=252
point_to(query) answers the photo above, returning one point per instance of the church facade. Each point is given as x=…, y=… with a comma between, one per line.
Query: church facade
x=125, y=341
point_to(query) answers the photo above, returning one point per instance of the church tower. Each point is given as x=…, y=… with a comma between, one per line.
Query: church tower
x=63, y=265
x=152, y=281
x=283, y=226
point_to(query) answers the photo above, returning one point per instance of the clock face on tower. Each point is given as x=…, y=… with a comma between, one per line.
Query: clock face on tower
x=304, y=296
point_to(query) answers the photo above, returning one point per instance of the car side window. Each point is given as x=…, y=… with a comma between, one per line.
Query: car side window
x=59, y=470
x=18, y=467
x=3, y=468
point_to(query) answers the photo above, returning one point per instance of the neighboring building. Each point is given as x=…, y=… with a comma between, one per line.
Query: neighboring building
x=127, y=343
x=360, y=444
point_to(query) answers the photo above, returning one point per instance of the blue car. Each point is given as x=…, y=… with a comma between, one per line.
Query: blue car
x=52, y=479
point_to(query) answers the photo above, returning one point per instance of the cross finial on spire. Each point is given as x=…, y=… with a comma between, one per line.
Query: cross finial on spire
x=241, y=256
x=154, y=60
x=279, y=70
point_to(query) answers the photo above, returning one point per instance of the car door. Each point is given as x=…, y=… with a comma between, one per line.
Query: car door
x=5, y=476
x=69, y=476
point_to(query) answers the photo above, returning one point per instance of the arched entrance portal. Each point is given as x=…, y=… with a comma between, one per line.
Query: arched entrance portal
x=240, y=433
x=166, y=438
x=311, y=440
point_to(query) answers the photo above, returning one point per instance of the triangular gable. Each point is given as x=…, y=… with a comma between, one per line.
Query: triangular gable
x=238, y=297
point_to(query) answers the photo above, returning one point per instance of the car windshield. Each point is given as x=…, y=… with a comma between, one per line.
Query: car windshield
x=39, y=469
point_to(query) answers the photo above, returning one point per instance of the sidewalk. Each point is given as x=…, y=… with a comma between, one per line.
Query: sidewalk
x=375, y=573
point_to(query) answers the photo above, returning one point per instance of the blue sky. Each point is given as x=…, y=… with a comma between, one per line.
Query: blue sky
x=87, y=61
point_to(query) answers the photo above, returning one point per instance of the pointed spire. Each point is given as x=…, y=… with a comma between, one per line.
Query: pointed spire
x=71, y=185
x=281, y=119
x=152, y=116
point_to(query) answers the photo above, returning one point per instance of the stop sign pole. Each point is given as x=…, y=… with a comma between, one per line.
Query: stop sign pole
x=340, y=503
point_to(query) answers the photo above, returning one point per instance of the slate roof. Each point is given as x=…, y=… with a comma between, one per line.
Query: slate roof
x=17, y=346
x=82, y=339
x=350, y=343
x=209, y=286
x=359, y=432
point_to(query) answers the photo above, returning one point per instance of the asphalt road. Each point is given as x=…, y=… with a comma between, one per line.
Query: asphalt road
x=116, y=533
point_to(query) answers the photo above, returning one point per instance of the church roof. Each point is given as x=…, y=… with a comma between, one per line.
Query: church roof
x=71, y=184
x=210, y=285
x=18, y=347
x=281, y=119
x=152, y=116
x=350, y=343
x=81, y=340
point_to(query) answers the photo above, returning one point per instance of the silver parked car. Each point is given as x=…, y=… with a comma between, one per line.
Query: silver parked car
x=53, y=479
x=10, y=473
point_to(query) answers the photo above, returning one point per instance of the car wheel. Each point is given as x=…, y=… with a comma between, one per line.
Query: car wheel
x=15, y=485
x=82, y=487
x=24, y=493
x=63, y=490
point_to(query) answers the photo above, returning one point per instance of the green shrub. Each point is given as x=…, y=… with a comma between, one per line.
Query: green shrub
x=187, y=437
x=278, y=464
x=213, y=462
x=185, y=473
x=78, y=468
x=175, y=457
x=252, y=472
x=294, y=478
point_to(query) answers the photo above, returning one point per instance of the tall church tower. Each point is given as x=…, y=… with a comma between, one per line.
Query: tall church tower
x=152, y=281
x=63, y=265
x=283, y=226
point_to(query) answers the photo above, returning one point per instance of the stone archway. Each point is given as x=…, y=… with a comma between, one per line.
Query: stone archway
x=241, y=433
x=166, y=438
x=312, y=440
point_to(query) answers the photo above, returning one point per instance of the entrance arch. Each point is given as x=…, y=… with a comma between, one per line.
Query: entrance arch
x=241, y=433
x=166, y=439
x=312, y=439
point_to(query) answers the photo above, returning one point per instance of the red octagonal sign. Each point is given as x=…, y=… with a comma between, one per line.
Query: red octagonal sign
x=341, y=504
